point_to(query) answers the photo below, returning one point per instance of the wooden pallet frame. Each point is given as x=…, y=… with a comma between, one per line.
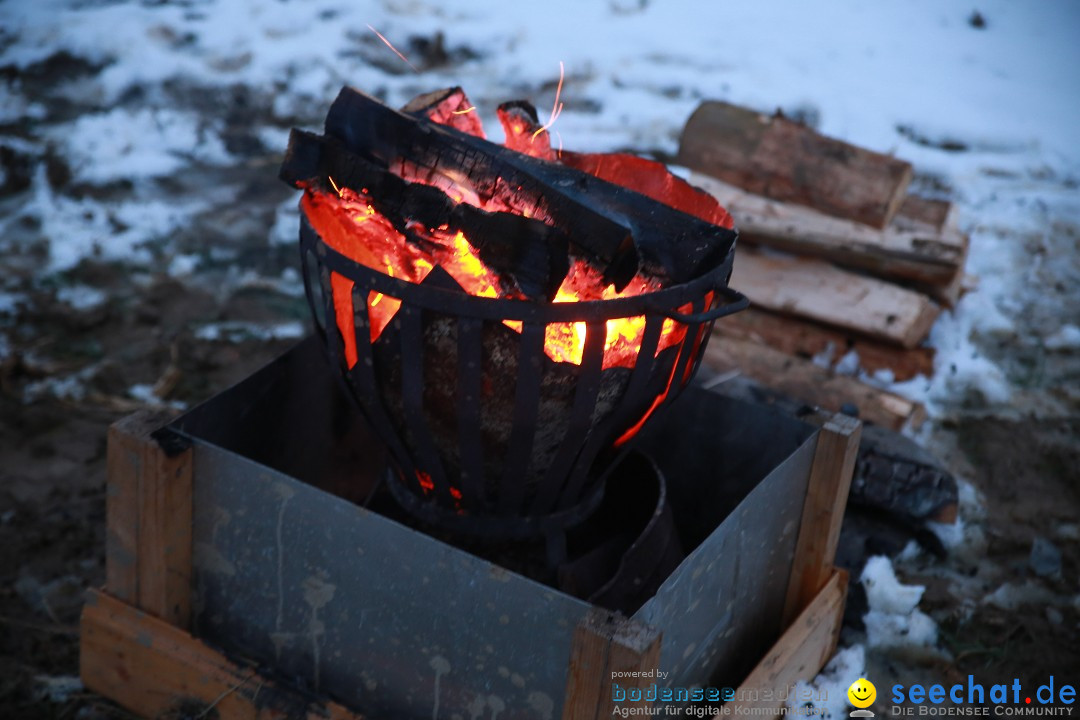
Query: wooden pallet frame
x=136, y=648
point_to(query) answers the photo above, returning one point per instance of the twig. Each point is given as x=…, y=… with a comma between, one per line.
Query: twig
x=224, y=695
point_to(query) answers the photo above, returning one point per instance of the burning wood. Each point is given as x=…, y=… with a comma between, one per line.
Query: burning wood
x=605, y=263
x=414, y=214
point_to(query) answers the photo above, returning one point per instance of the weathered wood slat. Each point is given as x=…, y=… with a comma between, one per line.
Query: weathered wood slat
x=823, y=510
x=808, y=383
x=603, y=644
x=910, y=250
x=148, y=507
x=803, y=338
x=799, y=654
x=783, y=160
x=157, y=670
x=822, y=292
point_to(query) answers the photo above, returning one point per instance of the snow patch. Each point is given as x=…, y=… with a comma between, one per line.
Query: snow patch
x=286, y=227
x=129, y=145
x=239, y=331
x=14, y=107
x=68, y=387
x=9, y=302
x=183, y=265
x=82, y=228
x=144, y=393
x=894, y=619
x=81, y=297
x=831, y=685
x=1067, y=338
x=57, y=689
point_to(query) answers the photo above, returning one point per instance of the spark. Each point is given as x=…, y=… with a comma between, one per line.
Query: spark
x=339, y=191
x=389, y=45
x=556, y=109
x=465, y=111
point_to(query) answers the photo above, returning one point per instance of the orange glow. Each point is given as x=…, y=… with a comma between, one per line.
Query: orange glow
x=348, y=222
x=466, y=111
x=395, y=50
x=350, y=225
x=341, y=288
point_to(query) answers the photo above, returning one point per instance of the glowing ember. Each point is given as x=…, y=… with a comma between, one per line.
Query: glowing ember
x=349, y=224
x=348, y=221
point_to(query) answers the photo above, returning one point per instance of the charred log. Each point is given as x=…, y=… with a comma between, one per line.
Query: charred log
x=533, y=255
x=621, y=231
x=523, y=130
x=447, y=107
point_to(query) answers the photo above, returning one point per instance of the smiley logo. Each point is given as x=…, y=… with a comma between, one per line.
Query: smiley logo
x=862, y=693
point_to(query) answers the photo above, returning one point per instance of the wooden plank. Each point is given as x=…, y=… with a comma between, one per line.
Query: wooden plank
x=823, y=510
x=950, y=293
x=799, y=654
x=808, y=339
x=165, y=544
x=822, y=292
x=913, y=252
x=604, y=647
x=156, y=670
x=148, y=515
x=808, y=383
x=919, y=213
x=783, y=160
x=123, y=461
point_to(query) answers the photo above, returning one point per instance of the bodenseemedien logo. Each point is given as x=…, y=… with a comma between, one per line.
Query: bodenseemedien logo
x=862, y=694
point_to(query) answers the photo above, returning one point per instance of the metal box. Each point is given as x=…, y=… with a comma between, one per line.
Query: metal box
x=290, y=572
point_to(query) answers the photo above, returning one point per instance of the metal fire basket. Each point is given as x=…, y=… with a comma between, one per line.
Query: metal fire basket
x=488, y=435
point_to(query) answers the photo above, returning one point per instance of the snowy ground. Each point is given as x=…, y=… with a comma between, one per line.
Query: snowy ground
x=146, y=246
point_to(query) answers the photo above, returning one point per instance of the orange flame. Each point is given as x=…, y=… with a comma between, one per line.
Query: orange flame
x=347, y=221
x=350, y=225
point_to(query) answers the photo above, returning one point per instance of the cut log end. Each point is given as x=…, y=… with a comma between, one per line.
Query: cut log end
x=778, y=158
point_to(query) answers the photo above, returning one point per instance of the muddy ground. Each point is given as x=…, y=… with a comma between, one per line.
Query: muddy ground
x=52, y=501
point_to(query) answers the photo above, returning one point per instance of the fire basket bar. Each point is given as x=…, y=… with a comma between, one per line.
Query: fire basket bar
x=423, y=385
x=502, y=400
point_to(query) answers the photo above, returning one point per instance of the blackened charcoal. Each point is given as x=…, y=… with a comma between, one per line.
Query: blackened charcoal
x=532, y=256
x=620, y=231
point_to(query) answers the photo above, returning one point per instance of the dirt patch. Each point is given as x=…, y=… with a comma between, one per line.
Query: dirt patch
x=52, y=455
x=1008, y=606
